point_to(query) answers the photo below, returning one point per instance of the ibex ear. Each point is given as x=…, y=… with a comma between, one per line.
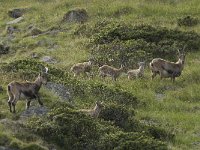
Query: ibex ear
x=122, y=66
x=183, y=50
x=178, y=52
x=46, y=69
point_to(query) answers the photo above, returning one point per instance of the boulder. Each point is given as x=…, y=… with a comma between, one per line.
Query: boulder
x=48, y=59
x=11, y=29
x=59, y=90
x=17, y=20
x=77, y=15
x=16, y=12
x=33, y=110
x=4, y=49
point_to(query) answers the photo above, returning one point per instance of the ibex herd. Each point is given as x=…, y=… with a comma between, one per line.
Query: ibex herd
x=158, y=66
x=30, y=90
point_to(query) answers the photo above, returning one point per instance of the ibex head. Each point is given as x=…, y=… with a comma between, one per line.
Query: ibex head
x=99, y=104
x=181, y=55
x=43, y=75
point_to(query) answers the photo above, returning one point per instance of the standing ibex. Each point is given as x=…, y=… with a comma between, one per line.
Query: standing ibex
x=106, y=70
x=137, y=72
x=26, y=89
x=79, y=68
x=95, y=111
x=167, y=69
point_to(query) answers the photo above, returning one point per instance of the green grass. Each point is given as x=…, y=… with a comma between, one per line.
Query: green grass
x=178, y=108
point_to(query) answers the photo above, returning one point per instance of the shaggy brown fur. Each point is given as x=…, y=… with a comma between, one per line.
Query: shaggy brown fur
x=95, y=111
x=79, y=68
x=106, y=70
x=29, y=90
x=167, y=69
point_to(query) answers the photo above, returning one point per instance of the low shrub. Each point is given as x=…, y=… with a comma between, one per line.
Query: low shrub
x=33, y=147
x=4, y=49
x=118, y=114
x=117, y=43
x=131, y=140
x=188, y=21
x=4, y=140
x=73, y=130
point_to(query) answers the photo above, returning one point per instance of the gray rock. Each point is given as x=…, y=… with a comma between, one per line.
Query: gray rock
x=15, y=21
x=160, y=96
x=33, y=110
x=48, y=59
x=12, y=29
x=59, y=90
x=77, y=15
x=47, y=43
x=5, y=148
x=16, y=12
x=4, y=49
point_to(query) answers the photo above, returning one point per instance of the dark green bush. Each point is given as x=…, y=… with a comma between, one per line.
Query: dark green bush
x=4, y=49
x=160, y=133
x=188, y=21
x=33, y=147
x=15, y=145
x=116, y=43
x=114, y=93
x=73, y=130
x=123, y=11
x=131, y=140
x=4, y=140
x=125, y=120
x=118, y=114
x=67, y=129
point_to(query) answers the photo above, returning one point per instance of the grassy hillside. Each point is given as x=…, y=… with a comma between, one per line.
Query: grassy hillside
x=138, y=114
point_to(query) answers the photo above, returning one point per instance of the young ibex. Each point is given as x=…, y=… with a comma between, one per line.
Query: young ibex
x=106, y=70
x=26, y=89
x=79, y=68
x=136, y=73
x=95, y=111
x=167, y=69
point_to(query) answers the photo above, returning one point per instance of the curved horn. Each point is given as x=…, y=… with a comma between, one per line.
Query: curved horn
x=178, y=52
x=183, y=50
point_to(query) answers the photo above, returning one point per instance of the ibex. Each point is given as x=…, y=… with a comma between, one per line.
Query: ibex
x=137, y=72
x=167, y=69
x=106, y=70
x=26, y=89
x=79, y=68
x=95, y=111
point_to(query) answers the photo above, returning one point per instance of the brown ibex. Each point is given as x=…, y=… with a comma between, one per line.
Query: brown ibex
x=79, y=68
x=26, y=89
x=137, y=72
x=167, y=69
x=106, y=70
x=95, y=111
